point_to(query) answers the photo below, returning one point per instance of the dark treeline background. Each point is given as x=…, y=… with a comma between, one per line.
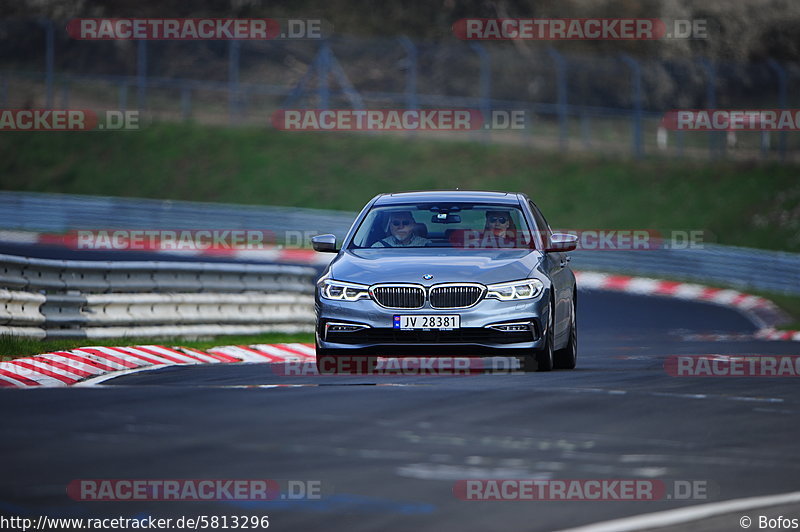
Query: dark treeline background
x=738, y=30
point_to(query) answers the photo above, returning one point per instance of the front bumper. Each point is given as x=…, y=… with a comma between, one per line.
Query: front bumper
x=474, y=337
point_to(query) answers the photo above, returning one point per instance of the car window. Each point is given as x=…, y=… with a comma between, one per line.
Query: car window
x=437, y=225
x=541, y=223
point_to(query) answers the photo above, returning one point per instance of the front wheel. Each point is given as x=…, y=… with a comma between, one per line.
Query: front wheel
x=567, y=358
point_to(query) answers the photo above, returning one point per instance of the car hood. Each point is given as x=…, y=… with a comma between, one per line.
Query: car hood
x=370, y=266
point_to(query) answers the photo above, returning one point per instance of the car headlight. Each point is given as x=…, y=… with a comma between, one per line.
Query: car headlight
x=524, y=289
x=342, y=291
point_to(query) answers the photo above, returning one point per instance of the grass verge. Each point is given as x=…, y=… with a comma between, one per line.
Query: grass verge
x=746, y=204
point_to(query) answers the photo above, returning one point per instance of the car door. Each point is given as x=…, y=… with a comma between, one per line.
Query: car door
x=556, y=267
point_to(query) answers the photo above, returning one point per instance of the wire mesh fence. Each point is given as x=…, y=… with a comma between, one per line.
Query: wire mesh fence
x=605, y=103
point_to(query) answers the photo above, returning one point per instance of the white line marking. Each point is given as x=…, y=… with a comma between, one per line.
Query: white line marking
x=686, y=515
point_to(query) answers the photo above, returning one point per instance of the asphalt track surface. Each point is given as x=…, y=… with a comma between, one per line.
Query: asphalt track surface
x=388, y=456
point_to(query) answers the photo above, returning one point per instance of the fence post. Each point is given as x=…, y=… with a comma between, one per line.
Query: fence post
x=323, y=88
x=65, y=94
x=411, y=72
x=49, y=36
x=233, y=80
x=186, y=103
x=711, y=103
x=636, y=95
x=411, y=76
x=141, y=75
x=563, y=105
x=782, y=94
x=485, y=86
x=123, y=96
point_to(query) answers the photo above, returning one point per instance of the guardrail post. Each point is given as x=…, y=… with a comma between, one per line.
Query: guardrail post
x=485, y=87
x=563, y=105
x=782, y=94
x=234, y=47
x=141, y=74
x=636, y=97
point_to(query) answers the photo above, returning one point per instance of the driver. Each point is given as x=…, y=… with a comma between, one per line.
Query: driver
x=401, y=228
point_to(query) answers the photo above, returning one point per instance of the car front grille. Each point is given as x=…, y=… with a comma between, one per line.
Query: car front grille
x=455, y=296
x=399, y=296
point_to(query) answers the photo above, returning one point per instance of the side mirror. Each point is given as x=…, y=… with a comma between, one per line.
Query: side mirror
x=562, y=242
x=324, y=243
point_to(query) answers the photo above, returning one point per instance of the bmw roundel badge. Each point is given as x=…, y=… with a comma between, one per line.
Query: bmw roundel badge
x=427, y=277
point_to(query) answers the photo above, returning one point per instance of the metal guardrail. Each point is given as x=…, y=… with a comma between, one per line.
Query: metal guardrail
x=742, y=268
x=97, y=299
x=59, y=213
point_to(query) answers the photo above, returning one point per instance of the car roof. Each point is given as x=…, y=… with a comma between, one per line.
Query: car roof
x=469, y=196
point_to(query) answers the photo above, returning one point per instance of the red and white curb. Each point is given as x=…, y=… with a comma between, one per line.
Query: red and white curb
x=659, y=287
x=67, y=368
x=763, y=312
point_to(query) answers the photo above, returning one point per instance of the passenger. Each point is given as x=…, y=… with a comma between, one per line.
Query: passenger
x=499, y=230
x=401, y=232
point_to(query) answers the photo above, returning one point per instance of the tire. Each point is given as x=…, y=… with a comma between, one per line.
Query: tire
x=542, y=359
x=567, y=358
x=323, y=356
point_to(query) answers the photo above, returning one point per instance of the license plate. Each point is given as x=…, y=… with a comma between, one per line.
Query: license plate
x=427, y=321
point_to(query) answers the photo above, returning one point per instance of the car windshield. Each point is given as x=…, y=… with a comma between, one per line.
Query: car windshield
x=444, y=225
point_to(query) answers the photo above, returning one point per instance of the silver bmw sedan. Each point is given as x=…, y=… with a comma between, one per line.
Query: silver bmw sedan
x=448, y=273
